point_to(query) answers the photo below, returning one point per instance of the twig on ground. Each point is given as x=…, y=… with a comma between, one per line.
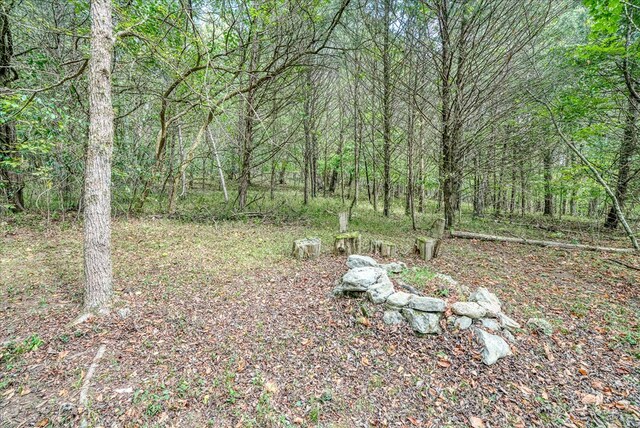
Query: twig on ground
x=84, y=392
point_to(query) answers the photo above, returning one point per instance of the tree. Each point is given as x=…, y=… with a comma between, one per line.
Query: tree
x=97, y=187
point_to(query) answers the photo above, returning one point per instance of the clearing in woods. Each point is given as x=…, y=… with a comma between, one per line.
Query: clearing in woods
x=224, y=328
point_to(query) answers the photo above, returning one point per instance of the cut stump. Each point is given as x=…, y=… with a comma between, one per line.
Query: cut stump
x=304, y=249
x=425, y=248
x=385, y=249
x=347, y=243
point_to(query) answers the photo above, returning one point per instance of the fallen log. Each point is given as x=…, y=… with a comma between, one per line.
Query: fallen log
x=553, y=244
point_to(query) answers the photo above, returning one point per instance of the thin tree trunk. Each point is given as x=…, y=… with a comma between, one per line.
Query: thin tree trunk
x=219, y=165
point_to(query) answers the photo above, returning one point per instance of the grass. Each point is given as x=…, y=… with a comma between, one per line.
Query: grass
x=208, y=293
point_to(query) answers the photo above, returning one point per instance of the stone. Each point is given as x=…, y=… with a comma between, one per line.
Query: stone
x=540, y=325
x=398, y=299
x=495, y=347
x=379, y=291
x=356, y=261
x=423, y=322
x=361, y=278
x=508, y=323
x=469, y=309
x=507, y=335
x=487, y=300
x=426, y=304
x=490, y=324
x=392, y=317
x=462, y=323
x=446, y=278
x=124, y=312
x=394, y=267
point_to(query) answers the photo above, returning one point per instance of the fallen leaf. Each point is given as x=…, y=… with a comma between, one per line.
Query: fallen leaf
x=592, y=399
x=270, y=387
x=476, y=422
x=444, y=363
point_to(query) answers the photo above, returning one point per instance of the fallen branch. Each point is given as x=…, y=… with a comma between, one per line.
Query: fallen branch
x=84, y=392
x=554, y=244
x=623, y=264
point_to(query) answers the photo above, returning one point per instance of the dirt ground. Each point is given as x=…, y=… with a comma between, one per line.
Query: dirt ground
x=225, y=330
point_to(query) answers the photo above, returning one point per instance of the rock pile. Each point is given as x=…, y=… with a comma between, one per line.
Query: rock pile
x=482, y=313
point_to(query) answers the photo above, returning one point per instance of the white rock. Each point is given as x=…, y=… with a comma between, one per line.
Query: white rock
x=493, y=310
x=446, y=278
x=490, y=324
x=507, y=334
x=487, y=300
x=462, y=323
x=427, y=304
x=124, y=312
x=398, y=299
x=469, y=309
x=508, y=323
x=540, y=325
x=394, y=267
x=423, y=322
x=355, y=261
x=379, y=291
x=495, y=347
x=392, y=317
x=361, y=278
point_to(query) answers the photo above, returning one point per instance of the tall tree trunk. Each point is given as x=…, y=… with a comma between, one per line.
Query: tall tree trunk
x=247, y=134
x=13, y=181
x=386, y=110
x=548, y=176
x=627, y=150
x=97, y=187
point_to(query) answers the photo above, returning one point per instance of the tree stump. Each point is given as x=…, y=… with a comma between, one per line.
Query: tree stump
x=385, y=249
x=425, y=248
x=437, y=233
x=429, y=247
x=306, y=248
x=347, y=243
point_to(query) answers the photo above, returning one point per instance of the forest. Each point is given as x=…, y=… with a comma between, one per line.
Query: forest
x=160, y=159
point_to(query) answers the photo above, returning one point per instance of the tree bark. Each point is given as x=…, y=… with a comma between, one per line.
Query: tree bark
x=97, y=187
x=627, y=150
x=12, y=180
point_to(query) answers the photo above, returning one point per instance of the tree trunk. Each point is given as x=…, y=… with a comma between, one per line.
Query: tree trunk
x=627, y=149
x=548, y=176
x=97, y=187
x=11, y=179
x=386, y=111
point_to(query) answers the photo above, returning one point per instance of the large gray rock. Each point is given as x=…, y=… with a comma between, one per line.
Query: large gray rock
x=469, y=309
x=507, y=335
x=487, y=300
x=392, y=317
x=540, y=325
x=394, y=267
x=423, y=322
x=508, y=323
x=356, y=261
x=490, y=324
x=399, y=299
x=361, y=278
x=495, y=347
x=462, y=323
x=379, y=291
x=427, y=304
